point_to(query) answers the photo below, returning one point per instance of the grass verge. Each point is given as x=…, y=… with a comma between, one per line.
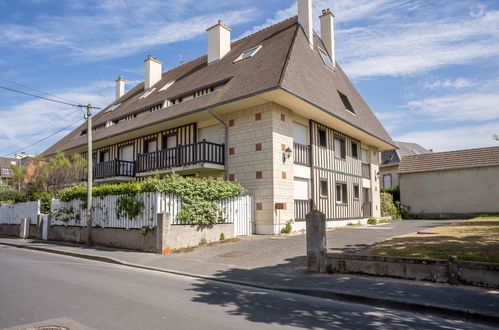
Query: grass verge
x=476, y=239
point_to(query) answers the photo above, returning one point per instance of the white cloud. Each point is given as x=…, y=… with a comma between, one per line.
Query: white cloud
x=33, y=120
x=448, y=83
x=464, y=137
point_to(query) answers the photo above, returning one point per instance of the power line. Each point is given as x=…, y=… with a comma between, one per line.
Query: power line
x=45, y=98
x=34, y=89
x=48, y=136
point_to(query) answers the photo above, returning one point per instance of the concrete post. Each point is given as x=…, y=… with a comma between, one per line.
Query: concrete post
x=453, y=270
x=316, y=241
x=24, y=228
x=162, y=230
x=39, y=226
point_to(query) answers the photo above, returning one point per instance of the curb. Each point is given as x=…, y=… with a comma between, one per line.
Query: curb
x=435, y=310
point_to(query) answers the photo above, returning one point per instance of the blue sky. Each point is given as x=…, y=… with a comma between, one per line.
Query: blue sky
x=428, y=69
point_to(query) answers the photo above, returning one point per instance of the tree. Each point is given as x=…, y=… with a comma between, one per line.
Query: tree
x=495, y=137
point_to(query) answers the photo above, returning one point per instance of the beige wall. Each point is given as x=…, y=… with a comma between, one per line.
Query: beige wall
x=453, y=191
x=393, y=170
x=375, y=184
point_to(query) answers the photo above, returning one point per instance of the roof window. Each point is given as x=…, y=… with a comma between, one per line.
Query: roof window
x=346, y=102
x=114, y=106
x=167, y=85
x=147, y=93
x=326, y=59
x=248, y=53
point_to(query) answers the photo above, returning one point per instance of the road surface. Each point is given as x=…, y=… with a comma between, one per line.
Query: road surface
x=38, y=288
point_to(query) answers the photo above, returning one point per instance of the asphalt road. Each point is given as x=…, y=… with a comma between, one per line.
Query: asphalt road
x=38, y=288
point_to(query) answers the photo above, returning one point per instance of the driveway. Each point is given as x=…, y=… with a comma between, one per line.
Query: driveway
x=287, y=253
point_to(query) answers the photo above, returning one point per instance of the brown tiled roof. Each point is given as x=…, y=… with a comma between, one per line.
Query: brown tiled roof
x=392, y=157
x=438, y=161
x=284, y=61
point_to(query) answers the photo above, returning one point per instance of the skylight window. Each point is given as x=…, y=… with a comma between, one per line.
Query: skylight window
x=147, y=93
x=248, y=53
x=168, y=84
x=346, y=102
x=326, y=59
x=114, y=106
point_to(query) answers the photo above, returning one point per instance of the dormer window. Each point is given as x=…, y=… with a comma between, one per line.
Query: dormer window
x=114, y=106
x=326, y=59
x=248, y=53
x=147, y=93
x=346, y=102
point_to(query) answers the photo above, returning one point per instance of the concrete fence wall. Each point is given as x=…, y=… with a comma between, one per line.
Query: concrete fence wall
x=443, y=271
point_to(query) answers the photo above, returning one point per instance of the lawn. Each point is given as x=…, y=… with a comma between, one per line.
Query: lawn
x=476, y=239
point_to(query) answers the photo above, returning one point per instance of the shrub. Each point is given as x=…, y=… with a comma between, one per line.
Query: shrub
x=394, y=191
x=388, y=208
x=287, y=228
x=372, y=221
x=222, y=237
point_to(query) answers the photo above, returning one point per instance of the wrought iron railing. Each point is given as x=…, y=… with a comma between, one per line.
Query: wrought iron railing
x=114, y=168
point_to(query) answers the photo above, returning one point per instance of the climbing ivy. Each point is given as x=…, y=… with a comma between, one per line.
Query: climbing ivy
x=128, y=207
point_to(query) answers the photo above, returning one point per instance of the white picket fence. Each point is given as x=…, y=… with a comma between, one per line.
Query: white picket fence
x=237, y=210
x=14, y=213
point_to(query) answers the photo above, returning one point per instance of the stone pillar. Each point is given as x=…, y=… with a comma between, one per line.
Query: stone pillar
x=453, y=270
x=162, y=231
x=316, y=241
x=24, y=228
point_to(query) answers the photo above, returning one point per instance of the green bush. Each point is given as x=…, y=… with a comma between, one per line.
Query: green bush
x=199, y=196
x=394, y=191
x=372, y=221
x=21, y=196
x=287, y=228
x=388, y=207
x=222, y=237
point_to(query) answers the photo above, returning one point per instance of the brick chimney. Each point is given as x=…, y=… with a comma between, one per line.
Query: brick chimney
x=153, y=69
x=305, y=19
x=218, y=42
x=120, y=87
x=327, y=33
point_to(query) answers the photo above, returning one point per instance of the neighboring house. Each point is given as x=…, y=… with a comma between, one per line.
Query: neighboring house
x=272, y=111
x=5, y=167
x=390, y=161
x=454, y=182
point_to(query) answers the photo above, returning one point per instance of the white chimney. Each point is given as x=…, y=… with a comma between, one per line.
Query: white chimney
x=305, y=19
x=120, y=87
x=327, y=33
x=218, y=42
x=153, y=69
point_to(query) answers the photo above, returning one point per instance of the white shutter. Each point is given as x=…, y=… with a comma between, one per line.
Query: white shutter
x=299, y=133
x=210, y=134
x=301, y=189
x=126, y=153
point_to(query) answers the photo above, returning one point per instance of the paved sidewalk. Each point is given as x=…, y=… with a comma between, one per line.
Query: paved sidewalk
x=470, y=303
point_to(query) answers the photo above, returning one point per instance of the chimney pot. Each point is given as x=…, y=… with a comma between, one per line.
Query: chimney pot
x=327, y=33
x=120, y=87
x=218, y=41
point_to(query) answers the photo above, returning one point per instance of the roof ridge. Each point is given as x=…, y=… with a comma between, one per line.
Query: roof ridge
x=452, y=151
x=291, y=46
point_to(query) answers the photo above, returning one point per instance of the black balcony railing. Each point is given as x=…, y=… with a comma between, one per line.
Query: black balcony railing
x=114, y=168
x=301, y=154
x=366, y=171
x=302, y=208
x=189, y=154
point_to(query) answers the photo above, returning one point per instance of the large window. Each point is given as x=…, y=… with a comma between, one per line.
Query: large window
x=6, y=171
x=126, y=153
x=387, y=181
x=299, y=133
x=356, y=192
x=339, y=147
x=322, y=137
x=301, y=189
x=355, y=150
x=341, y=193
x=365, y=156
x=346, y=102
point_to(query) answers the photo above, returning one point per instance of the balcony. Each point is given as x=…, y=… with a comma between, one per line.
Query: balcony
x=184, y=155
x=302, y=208
x=366, y=171
x=113, y=169
x=301, y=154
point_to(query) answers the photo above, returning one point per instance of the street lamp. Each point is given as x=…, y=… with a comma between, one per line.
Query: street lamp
x=286, y=154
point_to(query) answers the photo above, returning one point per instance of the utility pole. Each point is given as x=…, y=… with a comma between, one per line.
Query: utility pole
x=88, y=116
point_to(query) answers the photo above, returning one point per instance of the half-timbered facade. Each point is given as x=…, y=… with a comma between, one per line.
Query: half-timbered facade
x=272, y=111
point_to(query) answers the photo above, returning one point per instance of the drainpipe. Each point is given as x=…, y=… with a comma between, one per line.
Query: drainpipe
x=226, y=146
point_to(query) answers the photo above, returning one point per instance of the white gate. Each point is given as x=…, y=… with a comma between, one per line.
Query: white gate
x=239, y=210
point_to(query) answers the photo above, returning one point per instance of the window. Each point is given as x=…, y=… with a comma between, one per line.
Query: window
x=356, y=191
x=104, y=156
x=323, y=188
x=355, y=150
x=339, y=147
x=346, y=102
x=299, y=133
x=341, y=193
x=6, y=171
x=248, y=53
x=113, y=107
x=210, y=134
x=147, y=93
x=322, y=137
x=126, y=153
x=150, y=146
x=387, y=181
x=326, y=59
x=167, y=85
x=301, y=189
x=365, y=156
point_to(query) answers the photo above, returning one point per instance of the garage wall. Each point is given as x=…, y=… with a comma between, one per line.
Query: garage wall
x=453, y=191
